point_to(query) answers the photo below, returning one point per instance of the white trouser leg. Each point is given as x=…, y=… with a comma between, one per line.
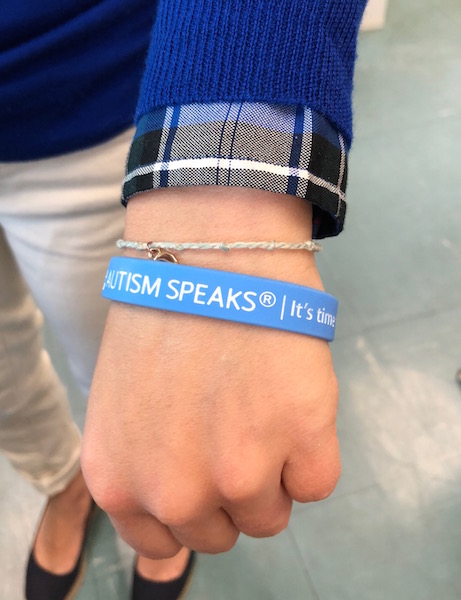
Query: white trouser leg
x=37, y=433
x=60, y=219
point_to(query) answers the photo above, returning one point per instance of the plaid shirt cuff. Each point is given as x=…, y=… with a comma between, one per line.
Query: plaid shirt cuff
x=283, y=149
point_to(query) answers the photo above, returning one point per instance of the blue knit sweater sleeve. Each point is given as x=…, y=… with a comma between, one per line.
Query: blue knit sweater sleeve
x=276, y=51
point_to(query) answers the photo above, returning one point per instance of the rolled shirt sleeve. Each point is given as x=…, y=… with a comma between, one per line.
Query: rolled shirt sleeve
x=279, y=148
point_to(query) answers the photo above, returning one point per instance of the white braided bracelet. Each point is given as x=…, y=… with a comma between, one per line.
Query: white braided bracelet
x=309, y=245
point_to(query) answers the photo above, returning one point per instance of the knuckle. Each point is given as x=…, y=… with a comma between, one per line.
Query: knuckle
x=237, y=487
x=107, y=495
x=111, y=499
x=176, y=515
x=237, y=491
x=175, y=520
x=325, y=488
x=318, y=486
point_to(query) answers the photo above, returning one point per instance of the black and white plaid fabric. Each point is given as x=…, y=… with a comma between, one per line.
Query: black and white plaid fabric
x=283, y=149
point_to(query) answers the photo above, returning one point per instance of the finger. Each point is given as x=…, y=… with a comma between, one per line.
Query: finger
x=188, y=505
x=212, y=534
x=312, y=472
x=147, y=536
x=252, y=494
x=267, y=516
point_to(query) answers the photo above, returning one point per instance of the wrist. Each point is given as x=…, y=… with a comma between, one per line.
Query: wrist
x=227, y=214
x=221, y=295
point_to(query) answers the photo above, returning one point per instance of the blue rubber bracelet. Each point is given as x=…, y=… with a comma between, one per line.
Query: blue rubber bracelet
x=221, y=295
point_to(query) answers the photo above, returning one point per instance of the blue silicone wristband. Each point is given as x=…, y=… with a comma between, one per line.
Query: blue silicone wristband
x=221, y=295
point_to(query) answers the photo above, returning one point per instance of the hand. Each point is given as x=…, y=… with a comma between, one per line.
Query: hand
x=198, y=429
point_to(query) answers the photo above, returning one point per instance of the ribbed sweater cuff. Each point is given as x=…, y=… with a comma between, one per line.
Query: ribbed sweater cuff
x=277, y=51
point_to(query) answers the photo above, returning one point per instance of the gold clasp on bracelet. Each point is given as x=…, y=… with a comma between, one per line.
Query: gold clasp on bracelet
x=160, y=254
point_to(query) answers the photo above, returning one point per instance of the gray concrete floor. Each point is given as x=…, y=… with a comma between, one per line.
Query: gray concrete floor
x=392, y=529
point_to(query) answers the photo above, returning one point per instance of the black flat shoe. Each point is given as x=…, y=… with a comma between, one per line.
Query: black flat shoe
x=145, y=589
x=44, y=585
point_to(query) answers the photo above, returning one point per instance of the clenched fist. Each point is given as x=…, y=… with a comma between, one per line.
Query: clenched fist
x=199, y=429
